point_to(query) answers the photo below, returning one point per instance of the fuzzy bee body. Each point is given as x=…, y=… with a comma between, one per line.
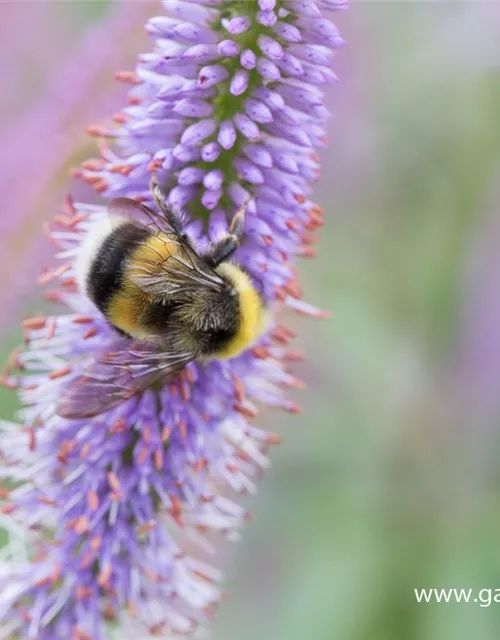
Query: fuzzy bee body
x=169, y=304
x=217, y=323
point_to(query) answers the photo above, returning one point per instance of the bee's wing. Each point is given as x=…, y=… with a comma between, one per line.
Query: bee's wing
x=125, y=370
x=175, y=269
x=167, y=221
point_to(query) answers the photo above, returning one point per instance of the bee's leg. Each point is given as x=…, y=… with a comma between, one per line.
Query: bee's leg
x=169, y=213
x=224, y=249
x=238, y=221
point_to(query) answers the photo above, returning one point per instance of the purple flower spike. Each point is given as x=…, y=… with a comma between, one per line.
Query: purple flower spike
x=239, y=83
x=114, y=506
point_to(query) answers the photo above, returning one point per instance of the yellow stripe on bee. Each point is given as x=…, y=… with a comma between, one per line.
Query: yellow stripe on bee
x=130, y=303
x=126, y=309
x=252, y=313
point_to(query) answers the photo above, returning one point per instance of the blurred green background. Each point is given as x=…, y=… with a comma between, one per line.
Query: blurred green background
x=390, y=478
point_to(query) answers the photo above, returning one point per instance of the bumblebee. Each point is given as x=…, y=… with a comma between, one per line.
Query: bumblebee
x=169, y=304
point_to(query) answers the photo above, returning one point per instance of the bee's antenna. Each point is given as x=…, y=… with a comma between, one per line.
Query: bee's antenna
x=153, y=183
x=173, y=219
x=157, y=192
x=238, y=221
x=227, y=245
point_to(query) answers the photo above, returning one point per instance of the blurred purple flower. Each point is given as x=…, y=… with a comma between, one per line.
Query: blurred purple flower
x=113, y=504
x=40, y=141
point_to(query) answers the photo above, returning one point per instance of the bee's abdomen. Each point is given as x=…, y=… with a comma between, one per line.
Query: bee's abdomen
x=107, y=271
